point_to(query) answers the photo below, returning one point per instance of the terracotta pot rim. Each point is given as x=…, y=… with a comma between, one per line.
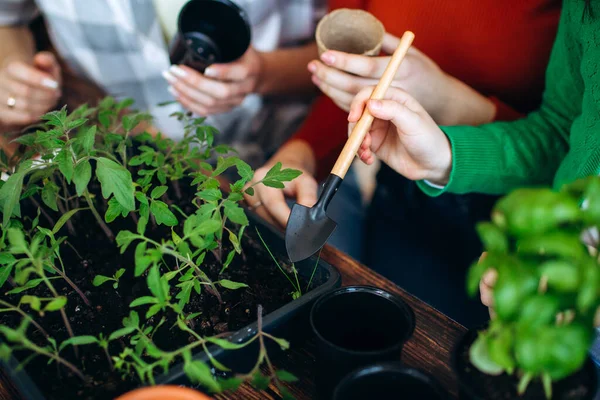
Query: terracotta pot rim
x=164, y=392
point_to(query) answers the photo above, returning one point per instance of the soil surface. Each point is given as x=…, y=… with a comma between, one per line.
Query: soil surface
x=504, y=387
x=97, y=255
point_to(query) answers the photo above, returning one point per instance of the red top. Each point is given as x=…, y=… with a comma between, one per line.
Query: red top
x=500, y=48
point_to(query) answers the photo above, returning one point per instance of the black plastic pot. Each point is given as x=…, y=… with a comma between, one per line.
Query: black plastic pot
x=475, y=385
x=356, y=326
x=208, y=32
x=389, y=380
x=289, y=322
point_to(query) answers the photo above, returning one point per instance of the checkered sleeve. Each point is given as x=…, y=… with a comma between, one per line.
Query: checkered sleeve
x=17, y=12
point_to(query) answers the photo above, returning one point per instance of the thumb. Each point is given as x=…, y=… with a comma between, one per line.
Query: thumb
x=390, y=43
x=399, y=114
x=46, y=61
x=306, y=190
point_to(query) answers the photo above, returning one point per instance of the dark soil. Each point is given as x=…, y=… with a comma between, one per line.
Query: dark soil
x=267, y=287
x=476, y=385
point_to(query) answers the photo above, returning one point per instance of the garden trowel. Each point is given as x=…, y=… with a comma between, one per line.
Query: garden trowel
x=308, y=229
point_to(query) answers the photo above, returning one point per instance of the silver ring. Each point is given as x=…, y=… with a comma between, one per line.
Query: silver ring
x=11, y=102
x=256, y=205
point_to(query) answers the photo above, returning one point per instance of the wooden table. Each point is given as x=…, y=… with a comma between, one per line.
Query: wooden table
x=429, y=348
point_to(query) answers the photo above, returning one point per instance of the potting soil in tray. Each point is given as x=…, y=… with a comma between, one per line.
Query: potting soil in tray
x=504, y=387
x=97, y=255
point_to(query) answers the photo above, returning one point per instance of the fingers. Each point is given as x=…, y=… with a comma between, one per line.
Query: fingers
x=28, y=96
x=12, y=116
x=390, y=43
x=235, y=71
x=217, y=89
x=31, y=76
x=397, y=106
x=339, y=79
x=193, y=105
x=304, y=189
x=47, y=62
x=342, y=99
x=486, y=287
x=368, y=67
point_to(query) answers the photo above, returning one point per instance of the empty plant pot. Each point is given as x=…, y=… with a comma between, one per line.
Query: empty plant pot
x=166, y=392
x=388, y=381
x=208, y=32
x=356, y=326
x=350, y=31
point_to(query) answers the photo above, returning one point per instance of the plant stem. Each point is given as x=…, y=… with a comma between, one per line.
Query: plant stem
x=276, y=262
x=70, y=226
x=70, y=283
x=44, y=213
x=10, y=307
x=177, y=189
x=110, y=363
x=26, y=343
x=105, y=228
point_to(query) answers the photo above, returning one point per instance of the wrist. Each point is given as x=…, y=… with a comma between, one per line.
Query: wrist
x=296, y=153
x=260, y=85
x=439, y=174
x=463, y=105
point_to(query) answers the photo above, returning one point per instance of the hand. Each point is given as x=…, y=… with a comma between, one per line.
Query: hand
x=404, y=136
x=486, y=287
x=32, y=89
x=221, y=88
x=449, y=101
x=270, y=203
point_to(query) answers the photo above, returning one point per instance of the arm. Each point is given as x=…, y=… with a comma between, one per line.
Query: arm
x=499, y=157
x=17, y=45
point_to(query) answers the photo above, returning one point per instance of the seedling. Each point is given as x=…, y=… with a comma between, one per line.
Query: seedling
x=87, y=168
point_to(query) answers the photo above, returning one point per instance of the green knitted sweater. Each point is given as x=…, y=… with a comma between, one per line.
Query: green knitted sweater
x=556, y=144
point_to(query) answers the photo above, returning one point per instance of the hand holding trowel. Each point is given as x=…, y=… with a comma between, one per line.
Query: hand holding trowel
x=309, y=228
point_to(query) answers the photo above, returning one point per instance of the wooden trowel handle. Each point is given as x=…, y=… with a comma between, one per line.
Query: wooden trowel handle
x=364, y=123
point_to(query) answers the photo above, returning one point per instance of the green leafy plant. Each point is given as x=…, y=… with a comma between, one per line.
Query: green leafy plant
x=90, y=166
x=548, y=287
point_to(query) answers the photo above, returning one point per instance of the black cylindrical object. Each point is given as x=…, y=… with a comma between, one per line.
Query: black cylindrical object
x=208, y=32
x=389, y=380
x=356, y=326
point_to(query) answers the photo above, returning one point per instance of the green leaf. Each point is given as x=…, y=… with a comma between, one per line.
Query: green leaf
x=82, y=176
x=152, y=311
x=56, y=304
x=49, y=195
x=76, y=123
x=100, y=279
x=199, y=372
x=119, y=273
x=64, y=218
x=114, y=210
x=285, y=376
x=225, y=344
x=5, y=273
x=124, y=238
x=480, y=357
x=231, y=384
x=244, y=170
x=276, y=174
x=123, y=104
x=226, y=283
x=223, y=164
x=210, y=194
x=186, y=291
x=235, y=242
x=29, y=285
x=115, y=180
x=16, y=238
x=142, y=262
x=87, y=138
x=77, y=341
x=158, y=191
x=155, y=285
x=119, y=333
x=34, y=302
x=250, y=191
x=140, y=301
x=10, y=193
x=284, y=344
x=162, y=213
x=7, y=258
x=65, y=163
x=260, y=381
x=235, y=213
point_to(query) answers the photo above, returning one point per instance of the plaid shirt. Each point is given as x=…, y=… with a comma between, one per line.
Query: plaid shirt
x=119, y=45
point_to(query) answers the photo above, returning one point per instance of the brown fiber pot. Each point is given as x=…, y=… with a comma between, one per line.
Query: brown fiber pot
x=164, y=392
x=350, y=31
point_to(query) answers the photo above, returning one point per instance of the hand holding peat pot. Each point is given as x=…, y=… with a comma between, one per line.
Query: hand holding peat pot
x=356, y=326
x=308, y=229
x=546, y=298
x=210, y=31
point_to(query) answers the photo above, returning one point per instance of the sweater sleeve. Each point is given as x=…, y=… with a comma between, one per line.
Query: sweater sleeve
x=498, y=157
x=325, y=130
